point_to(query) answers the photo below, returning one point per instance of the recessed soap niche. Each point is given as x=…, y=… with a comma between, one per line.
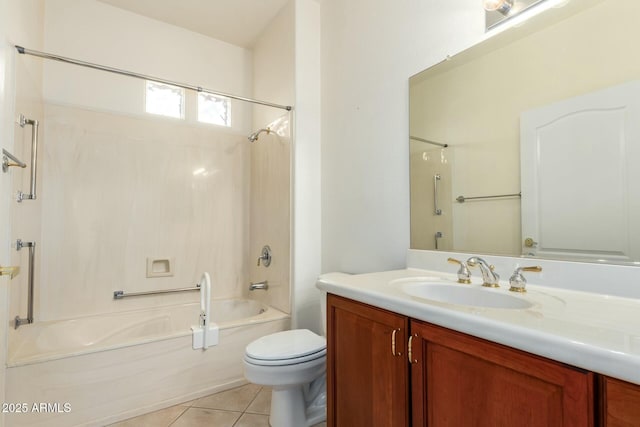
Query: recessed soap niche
x=160, y=267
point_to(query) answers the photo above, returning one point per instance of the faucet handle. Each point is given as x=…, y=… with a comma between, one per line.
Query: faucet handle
x=265, y=256
x=517, y=281
x=464, y=275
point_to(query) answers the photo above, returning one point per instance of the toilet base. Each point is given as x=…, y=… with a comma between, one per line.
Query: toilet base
x=298, y=406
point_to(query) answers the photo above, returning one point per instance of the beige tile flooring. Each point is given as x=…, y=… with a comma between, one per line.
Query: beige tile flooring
x=245, y=406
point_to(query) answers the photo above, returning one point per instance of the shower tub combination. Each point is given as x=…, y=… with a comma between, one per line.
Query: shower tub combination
x=99, y=369
x=105, y=368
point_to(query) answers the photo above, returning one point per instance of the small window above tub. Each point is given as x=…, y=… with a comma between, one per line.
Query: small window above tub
x=214, y=109
x=164, y=100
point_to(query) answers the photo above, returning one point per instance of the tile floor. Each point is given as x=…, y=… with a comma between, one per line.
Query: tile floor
x=245, y=406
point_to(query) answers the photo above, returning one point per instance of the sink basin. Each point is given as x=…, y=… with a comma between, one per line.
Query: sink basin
x=464, y=295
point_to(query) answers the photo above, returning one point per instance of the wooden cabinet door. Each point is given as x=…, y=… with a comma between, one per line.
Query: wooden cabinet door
x=621, y=403
x=367, y=379
x=459, y=380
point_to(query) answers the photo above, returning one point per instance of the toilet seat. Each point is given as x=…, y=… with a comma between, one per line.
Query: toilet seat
x=286, y=348
x=285, y=362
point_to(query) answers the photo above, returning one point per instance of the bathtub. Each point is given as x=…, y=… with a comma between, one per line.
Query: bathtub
x=101, y=369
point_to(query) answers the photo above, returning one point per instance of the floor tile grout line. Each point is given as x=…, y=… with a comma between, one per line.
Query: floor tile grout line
x=186, y=408
x=244, y=413
x=247, y=407
x=252, y=400
x=208, y=409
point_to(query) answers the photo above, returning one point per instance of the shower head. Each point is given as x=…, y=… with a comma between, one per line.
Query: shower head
x=254, y=136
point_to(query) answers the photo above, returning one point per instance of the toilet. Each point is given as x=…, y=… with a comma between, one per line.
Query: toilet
x=293, y=364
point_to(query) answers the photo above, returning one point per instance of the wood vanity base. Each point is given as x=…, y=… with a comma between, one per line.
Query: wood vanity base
x=388, y=370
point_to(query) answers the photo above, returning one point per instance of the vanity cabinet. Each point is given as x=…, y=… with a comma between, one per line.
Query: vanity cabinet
x=621, y=403
x=460, y=380
x=367, y=378
x=438, y=377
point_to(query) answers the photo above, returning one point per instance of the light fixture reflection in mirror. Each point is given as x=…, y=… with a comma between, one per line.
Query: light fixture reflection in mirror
x=498, y=11
x=502, y=6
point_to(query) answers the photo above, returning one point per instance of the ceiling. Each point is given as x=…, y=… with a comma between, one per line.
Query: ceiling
x=239, y=22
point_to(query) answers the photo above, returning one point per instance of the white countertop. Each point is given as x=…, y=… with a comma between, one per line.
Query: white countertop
x=592, y=331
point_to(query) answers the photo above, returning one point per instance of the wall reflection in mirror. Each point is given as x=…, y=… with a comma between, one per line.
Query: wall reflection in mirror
x=541, y=130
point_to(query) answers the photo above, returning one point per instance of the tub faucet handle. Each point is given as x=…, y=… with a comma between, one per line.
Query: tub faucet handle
x=464, y=275
x=265, y=256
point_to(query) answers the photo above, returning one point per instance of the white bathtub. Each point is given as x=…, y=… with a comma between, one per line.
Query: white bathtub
x=111, y=367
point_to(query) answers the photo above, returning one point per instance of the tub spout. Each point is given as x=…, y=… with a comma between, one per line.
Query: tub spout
x=259, y=285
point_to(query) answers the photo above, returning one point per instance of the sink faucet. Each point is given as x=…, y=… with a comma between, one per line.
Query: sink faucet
x=489, y=277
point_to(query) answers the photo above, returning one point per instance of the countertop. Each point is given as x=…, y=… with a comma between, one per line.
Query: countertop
x=596, y=332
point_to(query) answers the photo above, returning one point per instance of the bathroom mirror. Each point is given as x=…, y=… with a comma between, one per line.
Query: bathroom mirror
x=478, y=102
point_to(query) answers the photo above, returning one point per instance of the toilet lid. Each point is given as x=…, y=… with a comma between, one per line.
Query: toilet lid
x=286, y=345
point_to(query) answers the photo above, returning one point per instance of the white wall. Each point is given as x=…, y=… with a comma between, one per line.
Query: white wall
x=273, y=66
x=369, y=50
x=307, y=160
x=92, y=31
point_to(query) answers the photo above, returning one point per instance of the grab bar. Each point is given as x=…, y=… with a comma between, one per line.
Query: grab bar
x=23, y=121
x=122, y=294
x=5, y=161
x=436, y=178
x=439, y=144
x=437, y=236
x=18, y=321
x=462, y=199
x=205, y=307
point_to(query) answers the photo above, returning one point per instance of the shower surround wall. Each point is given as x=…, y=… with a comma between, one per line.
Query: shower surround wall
x=118, y=187
x=121, y=190
x=26, y=24
x=273, y=79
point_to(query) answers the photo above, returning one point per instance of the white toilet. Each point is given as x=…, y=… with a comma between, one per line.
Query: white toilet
x=293, y=363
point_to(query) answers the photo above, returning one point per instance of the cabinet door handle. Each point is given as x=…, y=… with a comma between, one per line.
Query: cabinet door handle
x=409, y=347
x=393, y=343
